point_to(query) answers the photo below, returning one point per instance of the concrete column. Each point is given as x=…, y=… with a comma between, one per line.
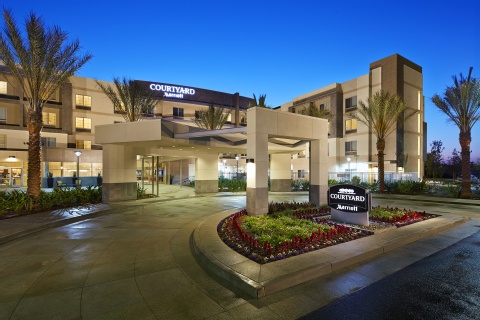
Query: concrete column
x=119, y=173
x=206, y=173
x=257, y=173
x=318, y=171
x=280, y=172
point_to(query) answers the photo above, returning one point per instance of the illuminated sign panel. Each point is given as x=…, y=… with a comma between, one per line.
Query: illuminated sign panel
x=177, y=92
x=349, y=198
x=172, y=91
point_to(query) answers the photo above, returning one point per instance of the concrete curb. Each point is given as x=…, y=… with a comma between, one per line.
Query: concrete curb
x=261, y=280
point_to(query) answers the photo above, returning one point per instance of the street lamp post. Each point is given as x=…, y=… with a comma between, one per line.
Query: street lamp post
x=236, y=158
x=78, y=153
x=349, y=175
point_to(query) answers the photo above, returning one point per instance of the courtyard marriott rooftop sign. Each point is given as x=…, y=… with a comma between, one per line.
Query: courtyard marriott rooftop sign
x=347, y=200
x=171, y=91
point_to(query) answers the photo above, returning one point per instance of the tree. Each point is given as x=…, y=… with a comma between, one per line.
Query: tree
x=260, y=103
x=434, y=159
x=455, y=162
x=313, y=111
x=40, y=62
x=382, y=113
x=212, y=118
x=461, y=104
x=129, y=97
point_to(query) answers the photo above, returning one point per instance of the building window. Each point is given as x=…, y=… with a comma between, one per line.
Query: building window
x=49, y=142
x=3, y=114
x=302, y=174
x=350, y=147
x=83, y=123
x=84, y=144
x=3, y=140
x=49, y=119
x=178, y=112
x=351, y=103
x=350, y=126
x=82, y=100
x=291, y=109
x=3, y=87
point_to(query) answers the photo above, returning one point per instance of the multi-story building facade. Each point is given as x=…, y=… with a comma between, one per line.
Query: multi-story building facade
x=71, y=114
x=352, y=147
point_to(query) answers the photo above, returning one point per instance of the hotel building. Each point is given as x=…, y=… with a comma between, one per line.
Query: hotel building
x=70, y=118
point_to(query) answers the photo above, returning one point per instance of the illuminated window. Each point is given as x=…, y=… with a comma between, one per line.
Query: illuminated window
x=3, y=140
x=3, y=114
x=350, y=126
x=84, y=144
x=49, y=119
x=81, y=100
x=49, y=142
x=351, y=102
x=3, y=87
x=351, y=147
x=83, y=123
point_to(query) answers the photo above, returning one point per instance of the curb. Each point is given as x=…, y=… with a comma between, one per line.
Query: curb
x=260, y=280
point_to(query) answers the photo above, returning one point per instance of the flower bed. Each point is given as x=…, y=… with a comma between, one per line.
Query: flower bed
x=263, y=241
x=327, y=233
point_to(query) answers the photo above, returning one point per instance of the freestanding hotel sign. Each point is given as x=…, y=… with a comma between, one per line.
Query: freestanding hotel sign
x=349, y=203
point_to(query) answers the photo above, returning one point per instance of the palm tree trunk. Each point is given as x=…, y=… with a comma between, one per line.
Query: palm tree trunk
x=381, y=165
x=465, y=139
x=34, y=126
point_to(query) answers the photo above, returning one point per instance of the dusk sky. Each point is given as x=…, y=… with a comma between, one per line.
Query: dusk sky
x=279, y=48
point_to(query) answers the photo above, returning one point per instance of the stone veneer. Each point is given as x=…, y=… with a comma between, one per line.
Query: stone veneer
x=257, y=203
x=119, y=191
x=280, y=185
x=206, y=186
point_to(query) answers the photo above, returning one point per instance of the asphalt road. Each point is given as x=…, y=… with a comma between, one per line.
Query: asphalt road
x=445, y=285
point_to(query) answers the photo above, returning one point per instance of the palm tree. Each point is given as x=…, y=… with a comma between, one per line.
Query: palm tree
x=313, y=111
x=212, y=118
x=40, y=62
x=260, y=103
x=129, y=97
x=382, y=113
x=461, y=104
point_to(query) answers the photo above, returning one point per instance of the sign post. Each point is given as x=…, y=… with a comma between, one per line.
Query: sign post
x=350, y=203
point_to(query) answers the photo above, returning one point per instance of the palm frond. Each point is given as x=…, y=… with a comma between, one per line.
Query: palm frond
x=212, y=118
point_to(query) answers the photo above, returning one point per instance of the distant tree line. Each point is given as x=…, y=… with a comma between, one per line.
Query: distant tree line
x=437, y=167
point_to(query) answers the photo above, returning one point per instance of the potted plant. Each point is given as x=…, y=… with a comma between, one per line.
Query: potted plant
x=50, y=180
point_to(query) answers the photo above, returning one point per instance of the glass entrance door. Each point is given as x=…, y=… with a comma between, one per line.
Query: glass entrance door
x=16, y=177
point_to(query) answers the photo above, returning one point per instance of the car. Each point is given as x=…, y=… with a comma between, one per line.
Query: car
x=473, y=179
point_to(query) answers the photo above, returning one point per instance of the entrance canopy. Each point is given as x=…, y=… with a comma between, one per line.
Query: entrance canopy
x=268, y=132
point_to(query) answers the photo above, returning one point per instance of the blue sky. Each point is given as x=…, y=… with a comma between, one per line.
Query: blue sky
x=279, y=48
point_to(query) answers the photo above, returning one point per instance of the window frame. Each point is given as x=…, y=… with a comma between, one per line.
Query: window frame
x=349, y=147
x=352, y=129
x=351, y=103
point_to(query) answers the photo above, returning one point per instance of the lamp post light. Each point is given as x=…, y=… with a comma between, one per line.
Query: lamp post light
x=236, y=158
x=78, y=153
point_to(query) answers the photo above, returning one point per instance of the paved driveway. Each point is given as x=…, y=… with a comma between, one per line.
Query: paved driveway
x=137, y=264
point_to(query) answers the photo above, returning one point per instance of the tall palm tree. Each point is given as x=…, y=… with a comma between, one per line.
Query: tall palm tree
x=382, y=113
x=129, y=97
x=313, y=111
x=212, y=118
x=461, y=104
x=40, y=63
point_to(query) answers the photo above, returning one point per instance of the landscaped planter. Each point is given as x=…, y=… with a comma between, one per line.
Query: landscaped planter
x=231, y=231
